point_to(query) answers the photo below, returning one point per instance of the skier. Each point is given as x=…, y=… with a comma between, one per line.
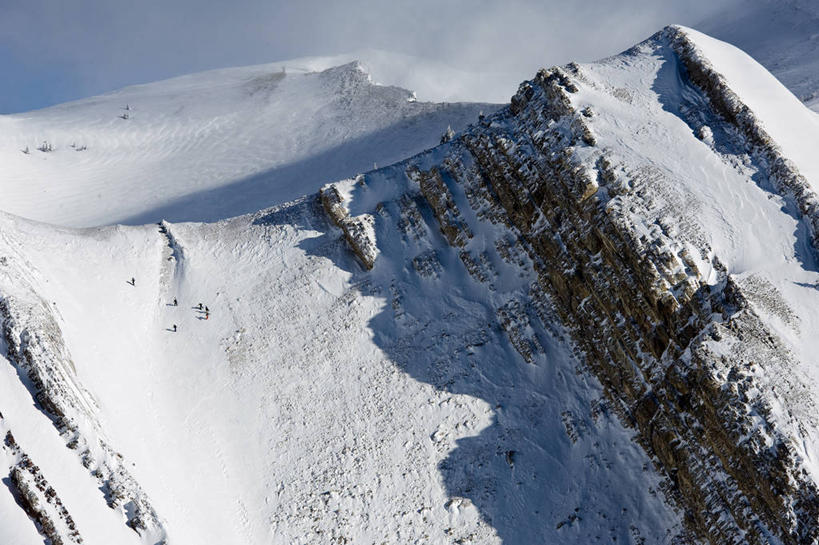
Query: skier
x=175, y=303
x=174, y=328
x=206, y=309
x=133, y=282
x=207, y=315
x=200, y=306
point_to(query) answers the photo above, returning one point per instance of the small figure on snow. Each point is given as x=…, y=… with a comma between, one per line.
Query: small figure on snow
x=175, y=303
x=174, y=328
x=132, y=282
x=207, y=315
x=206, y=309
x=200, y=306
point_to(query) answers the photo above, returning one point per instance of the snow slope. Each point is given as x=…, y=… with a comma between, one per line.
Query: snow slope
x=320, y=402
x=783, y=35
x=782, y=115
x=211, y=145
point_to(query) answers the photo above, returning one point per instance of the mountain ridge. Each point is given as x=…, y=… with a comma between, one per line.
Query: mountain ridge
x=620, y=260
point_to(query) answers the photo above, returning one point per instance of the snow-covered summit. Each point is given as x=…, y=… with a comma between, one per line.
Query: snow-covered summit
x=211, y=145
x=430, y=80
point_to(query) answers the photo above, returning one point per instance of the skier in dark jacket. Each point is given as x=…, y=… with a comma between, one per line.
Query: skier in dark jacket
x=175, y=303
x=174, y=328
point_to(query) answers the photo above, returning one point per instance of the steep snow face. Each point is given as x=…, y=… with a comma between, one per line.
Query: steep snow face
x=780, y=34
x=317, y=401
x=212, y=145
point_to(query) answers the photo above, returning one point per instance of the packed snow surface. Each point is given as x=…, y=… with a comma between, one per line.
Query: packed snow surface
x=211, y=145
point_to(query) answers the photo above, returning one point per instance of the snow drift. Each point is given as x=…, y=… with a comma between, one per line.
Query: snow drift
x=212, y=145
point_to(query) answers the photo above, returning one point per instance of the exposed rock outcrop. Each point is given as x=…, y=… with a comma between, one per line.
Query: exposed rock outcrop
x=358, y=230
x=652, y=312
x=37, y=497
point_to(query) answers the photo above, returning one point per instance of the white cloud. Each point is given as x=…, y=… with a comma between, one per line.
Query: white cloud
x=108, y=44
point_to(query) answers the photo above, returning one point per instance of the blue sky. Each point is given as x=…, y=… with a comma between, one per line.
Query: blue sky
x=51, y=52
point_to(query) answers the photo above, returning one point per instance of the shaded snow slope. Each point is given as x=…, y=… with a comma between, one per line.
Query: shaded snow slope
x=320, y=402
x=211, y=145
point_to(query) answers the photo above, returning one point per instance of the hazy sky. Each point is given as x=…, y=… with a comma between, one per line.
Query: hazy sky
x=52, y=51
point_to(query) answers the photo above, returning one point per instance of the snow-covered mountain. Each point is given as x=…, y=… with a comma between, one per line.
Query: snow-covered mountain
x=212, y=145
x=586, y=318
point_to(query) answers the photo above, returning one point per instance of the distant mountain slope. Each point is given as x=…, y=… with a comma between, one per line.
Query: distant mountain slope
x=211, y=145
x=783, y=35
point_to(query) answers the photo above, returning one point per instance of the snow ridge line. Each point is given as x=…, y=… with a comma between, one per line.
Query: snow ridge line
x=595, y=262
x=761, y=146
x=35, y=347
x=37, y=498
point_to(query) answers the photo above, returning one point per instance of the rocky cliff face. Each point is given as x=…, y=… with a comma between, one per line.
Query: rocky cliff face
x=683, y=345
